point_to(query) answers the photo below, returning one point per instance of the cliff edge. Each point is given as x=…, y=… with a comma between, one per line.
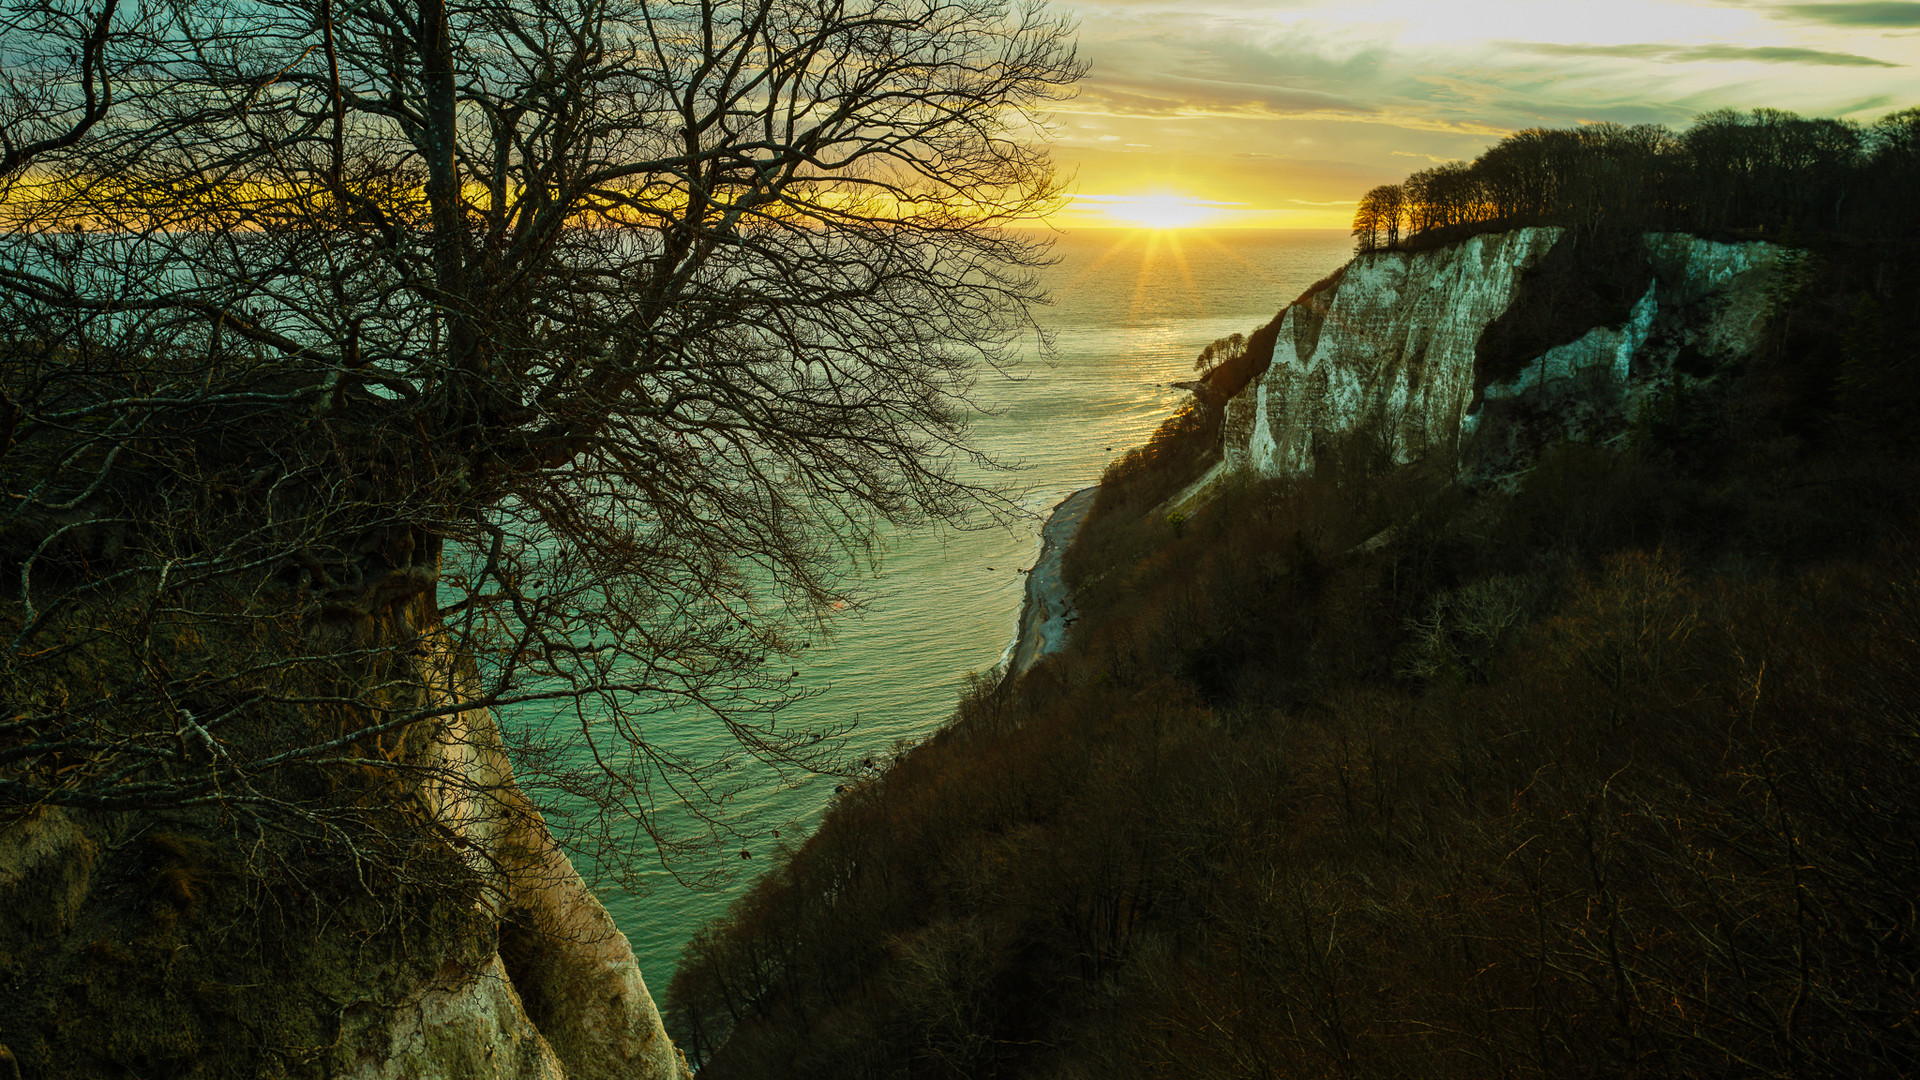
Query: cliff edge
x=430, y=930
x=1493, y=348
x=1047, y=612
x=1597, y=763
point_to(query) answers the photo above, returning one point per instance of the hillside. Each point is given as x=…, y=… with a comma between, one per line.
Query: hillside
x=1573, y=737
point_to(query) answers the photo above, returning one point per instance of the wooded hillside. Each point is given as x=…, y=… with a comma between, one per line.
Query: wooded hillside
x=1611, y=774
x=1764, y=172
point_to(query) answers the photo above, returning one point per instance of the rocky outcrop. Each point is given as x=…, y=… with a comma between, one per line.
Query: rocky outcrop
x=1391, y=342
x=1399, y=347
x=1047, y=613
x=562, y=996
x=174, y=943
x=473, y=1026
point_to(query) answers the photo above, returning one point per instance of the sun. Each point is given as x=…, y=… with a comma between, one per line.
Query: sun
x=1158, y=211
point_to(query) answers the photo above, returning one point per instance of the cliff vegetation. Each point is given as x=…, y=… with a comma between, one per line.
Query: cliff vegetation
x=402, y=409
x=1364, y=772
x=1767, y=172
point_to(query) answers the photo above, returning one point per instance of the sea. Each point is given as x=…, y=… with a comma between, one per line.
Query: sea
x=1130, y=311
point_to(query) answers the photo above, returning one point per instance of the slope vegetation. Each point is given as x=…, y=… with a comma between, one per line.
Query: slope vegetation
x=1361, y=773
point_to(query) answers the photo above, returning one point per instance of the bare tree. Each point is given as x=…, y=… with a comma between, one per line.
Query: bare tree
x=1224, y=351
x=1366, y=222
x=573, y=344
x=1393, y=212
x=1377, y=219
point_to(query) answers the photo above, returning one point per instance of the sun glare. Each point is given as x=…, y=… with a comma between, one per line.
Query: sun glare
x=1157, y=211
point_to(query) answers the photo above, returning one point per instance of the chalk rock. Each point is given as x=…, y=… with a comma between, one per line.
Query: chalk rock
x=1393, y=343
x=563, y=998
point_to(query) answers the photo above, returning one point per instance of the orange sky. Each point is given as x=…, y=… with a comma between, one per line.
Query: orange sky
x=1281, y=113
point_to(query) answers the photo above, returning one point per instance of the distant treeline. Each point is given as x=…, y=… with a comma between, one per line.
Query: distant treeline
x=1760, y=172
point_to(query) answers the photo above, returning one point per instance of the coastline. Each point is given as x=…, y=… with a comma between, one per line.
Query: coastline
x=1047, y=612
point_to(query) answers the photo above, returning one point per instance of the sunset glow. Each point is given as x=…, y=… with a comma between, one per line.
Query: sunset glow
x=1159, y=211
x=1223, y=114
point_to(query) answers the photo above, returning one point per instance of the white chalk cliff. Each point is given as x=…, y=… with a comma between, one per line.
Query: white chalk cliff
x=1393, y=342
x=573, y=968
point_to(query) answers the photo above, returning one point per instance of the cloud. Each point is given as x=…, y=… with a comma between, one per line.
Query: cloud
x=1163, y=67
x=1226, y=73
x=1888, y=14
x=1298, y=104
x=1180, y=97
x=1129, y=200
x=1168, y=67
x=1206, y=83
x=1680, y=54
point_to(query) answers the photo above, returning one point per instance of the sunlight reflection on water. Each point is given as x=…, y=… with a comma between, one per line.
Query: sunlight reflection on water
x=1132, y=309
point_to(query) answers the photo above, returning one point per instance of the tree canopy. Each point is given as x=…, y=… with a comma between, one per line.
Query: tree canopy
x=572, y=343
x=1762, y=171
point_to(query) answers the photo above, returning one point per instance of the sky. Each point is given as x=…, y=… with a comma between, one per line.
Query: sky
x=1281, y=113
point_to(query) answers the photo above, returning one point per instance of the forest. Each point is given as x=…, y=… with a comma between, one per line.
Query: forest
x=1761, y=173
x=1605, y=773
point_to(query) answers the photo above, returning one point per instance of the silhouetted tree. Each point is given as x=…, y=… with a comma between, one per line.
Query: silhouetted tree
x=1378, y=220
x=1765, y=170
x=584, y=341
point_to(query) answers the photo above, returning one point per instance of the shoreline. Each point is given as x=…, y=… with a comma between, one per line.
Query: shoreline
x=1047, y=611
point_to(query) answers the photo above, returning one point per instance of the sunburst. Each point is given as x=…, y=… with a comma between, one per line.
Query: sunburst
x=1158, y=211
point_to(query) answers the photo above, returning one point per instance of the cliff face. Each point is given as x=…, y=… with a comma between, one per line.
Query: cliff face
x=1442, y=349
x=177, y=943
x=561, y=996
x=1302, y=782
x=1047, y=614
